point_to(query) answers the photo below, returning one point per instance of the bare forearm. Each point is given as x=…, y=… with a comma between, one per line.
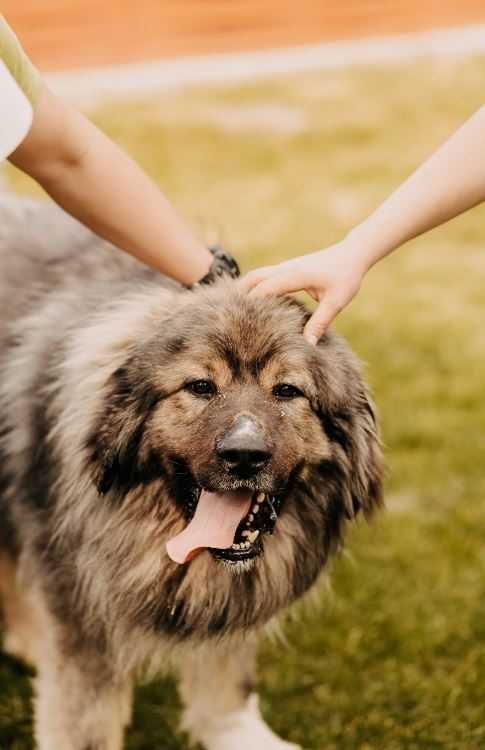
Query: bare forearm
x=95, y=181
x=139, y=218
x=447, y=184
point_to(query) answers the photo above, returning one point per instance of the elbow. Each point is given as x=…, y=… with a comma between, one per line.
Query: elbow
x=62, y=158
x=53, y=169
x=55, y=145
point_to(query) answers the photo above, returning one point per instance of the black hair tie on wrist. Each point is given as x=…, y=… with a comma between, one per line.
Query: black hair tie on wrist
x=223, y=264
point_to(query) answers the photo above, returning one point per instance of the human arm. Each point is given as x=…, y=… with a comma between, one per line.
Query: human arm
x=101, y=186
x=450, y=182
x=86, y=173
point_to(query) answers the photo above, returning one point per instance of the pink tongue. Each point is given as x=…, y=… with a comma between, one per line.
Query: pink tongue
x=214, y=524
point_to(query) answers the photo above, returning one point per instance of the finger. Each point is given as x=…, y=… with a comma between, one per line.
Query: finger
x=253, y=278
x=282, y=283
x=320, y=320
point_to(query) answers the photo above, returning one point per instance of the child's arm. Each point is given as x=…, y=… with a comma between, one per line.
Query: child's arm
x=96, y=182
x=449, y=183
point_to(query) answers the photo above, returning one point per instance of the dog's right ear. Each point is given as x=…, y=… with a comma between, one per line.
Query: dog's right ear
x=115, y=443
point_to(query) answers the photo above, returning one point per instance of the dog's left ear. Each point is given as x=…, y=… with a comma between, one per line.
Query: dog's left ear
x=365, y=455
x=115, y=444
x=349, y=420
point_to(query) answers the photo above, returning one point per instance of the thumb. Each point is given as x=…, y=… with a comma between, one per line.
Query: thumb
x=320, y=320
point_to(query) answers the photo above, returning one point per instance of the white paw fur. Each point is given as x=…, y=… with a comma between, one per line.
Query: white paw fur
x=241, y=730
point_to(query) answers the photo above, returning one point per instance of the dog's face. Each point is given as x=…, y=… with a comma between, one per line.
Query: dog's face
x=240, y=419
x=262, y=441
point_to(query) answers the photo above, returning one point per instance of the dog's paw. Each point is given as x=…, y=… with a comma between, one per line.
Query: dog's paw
x=242, y=730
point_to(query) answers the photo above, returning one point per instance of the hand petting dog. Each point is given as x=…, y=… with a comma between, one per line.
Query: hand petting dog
x=449, y=183
x=332, y=277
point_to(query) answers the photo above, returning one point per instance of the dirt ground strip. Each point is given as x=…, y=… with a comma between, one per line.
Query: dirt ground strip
x=68, y=34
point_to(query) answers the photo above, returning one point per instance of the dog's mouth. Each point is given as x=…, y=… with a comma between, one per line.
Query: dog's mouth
x=261, y=519
x=229, y=524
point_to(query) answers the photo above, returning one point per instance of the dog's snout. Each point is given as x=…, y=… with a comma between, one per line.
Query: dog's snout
x=244, y=447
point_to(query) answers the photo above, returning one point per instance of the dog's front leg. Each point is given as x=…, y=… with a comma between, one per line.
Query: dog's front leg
x=77, y=709
x=221, y=707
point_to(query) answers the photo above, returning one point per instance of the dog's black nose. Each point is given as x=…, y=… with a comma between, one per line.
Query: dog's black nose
x=244, y=447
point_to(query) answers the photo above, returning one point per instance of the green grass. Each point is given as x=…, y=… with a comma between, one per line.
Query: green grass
x=394, y=658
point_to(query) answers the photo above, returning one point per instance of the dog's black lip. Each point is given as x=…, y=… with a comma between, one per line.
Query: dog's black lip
x=237, y=555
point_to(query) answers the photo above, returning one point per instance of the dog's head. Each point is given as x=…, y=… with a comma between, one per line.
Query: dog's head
x=265, y=444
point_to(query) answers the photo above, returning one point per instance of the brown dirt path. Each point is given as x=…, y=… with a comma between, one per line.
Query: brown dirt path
x=64, y=34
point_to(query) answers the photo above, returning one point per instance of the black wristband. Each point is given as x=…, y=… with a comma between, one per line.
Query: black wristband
x=222, y=265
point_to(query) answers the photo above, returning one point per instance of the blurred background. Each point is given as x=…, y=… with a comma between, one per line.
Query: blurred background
x=277, y=166
x=118, y=31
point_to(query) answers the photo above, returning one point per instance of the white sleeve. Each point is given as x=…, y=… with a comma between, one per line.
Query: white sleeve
x=16, y=113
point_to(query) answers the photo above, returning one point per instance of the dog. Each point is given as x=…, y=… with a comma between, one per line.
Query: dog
x=176, y=468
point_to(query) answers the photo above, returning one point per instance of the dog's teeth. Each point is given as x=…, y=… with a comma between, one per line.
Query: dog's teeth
x=256, y=509
x=250, y=517
x=260, y=498
x=236, y=546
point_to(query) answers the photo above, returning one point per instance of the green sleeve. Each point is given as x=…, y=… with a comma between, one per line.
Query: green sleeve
x=19, y=65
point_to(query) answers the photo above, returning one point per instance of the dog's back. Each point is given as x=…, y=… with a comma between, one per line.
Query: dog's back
x=43, y=250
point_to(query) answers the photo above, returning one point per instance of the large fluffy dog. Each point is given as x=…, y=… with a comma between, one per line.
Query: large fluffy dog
x=175, y=469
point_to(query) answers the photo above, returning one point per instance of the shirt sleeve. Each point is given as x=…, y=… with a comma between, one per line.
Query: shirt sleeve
x=19, y=65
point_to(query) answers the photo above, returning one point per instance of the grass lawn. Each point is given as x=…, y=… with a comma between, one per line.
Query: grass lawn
x=394, y=657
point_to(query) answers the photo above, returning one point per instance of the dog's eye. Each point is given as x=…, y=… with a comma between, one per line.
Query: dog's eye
x=286, y=391
x=204, y=388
